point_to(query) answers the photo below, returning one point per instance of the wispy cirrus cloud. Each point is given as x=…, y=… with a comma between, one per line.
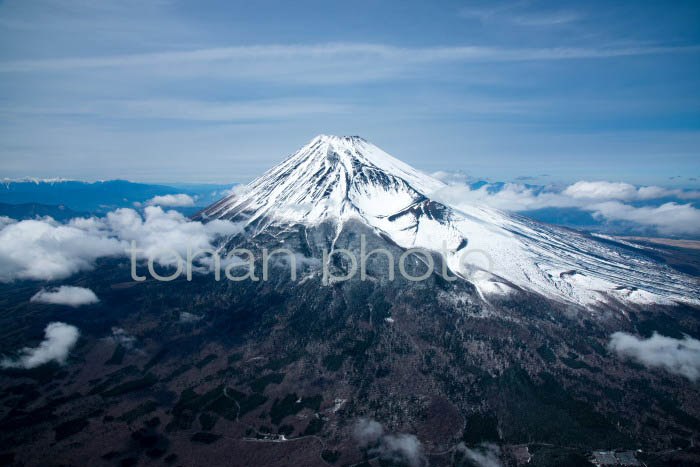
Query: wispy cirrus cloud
x=519, y=13
x=156, y=80
x=546, y=19
x=195, y=110
x=334, y=54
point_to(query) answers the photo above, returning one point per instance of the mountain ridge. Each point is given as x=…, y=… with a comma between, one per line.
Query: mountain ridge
x=336, y=178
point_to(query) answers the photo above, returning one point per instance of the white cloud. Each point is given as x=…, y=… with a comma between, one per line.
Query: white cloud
x=624, y=191
x=511, y=197
x=486, y=455
x=45, y=249
x=667, y=219
x=59, y=339
x=677, y=356
x=5, y=221
x=601, y=190
x=172, y=200
x=162, y=230
x=366, y=432
x=237, y=190
x=453, y=177
x=602, y=199
x=399, y=447
x=66, y=295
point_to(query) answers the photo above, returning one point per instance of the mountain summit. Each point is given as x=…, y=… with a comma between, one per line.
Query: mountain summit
x=331, y=177
x=334, y=179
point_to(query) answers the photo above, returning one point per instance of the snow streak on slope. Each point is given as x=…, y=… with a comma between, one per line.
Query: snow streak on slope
x=564, y=264
x=338, y=178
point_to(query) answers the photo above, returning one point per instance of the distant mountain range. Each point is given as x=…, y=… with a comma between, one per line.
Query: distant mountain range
x=98, y=197
x=34, y=210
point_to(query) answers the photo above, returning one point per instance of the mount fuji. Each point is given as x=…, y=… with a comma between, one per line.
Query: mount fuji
x=334, y=179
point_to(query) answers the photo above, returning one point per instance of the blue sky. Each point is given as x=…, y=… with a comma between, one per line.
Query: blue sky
x=219, y=91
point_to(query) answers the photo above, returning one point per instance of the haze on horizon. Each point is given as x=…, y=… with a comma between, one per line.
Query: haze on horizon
x=219, y=92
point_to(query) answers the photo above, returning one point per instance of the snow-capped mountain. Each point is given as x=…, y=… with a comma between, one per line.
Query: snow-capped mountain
x=336, y=178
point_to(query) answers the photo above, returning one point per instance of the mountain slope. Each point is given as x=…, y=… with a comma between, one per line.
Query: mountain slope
x=340, y=178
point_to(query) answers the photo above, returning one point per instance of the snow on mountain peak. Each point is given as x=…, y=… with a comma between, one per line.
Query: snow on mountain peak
x=330, y=177
x=355, y=152
x=335, y=178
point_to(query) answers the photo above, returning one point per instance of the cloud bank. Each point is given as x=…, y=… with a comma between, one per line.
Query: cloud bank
x=624, y=191
x=179, y=200
x=59, y=339
x=66, y=295
x=160, y=230
x=604, y=200
x=677, y=356
x=229, y=60
x=47, y=250
x=5, y=221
